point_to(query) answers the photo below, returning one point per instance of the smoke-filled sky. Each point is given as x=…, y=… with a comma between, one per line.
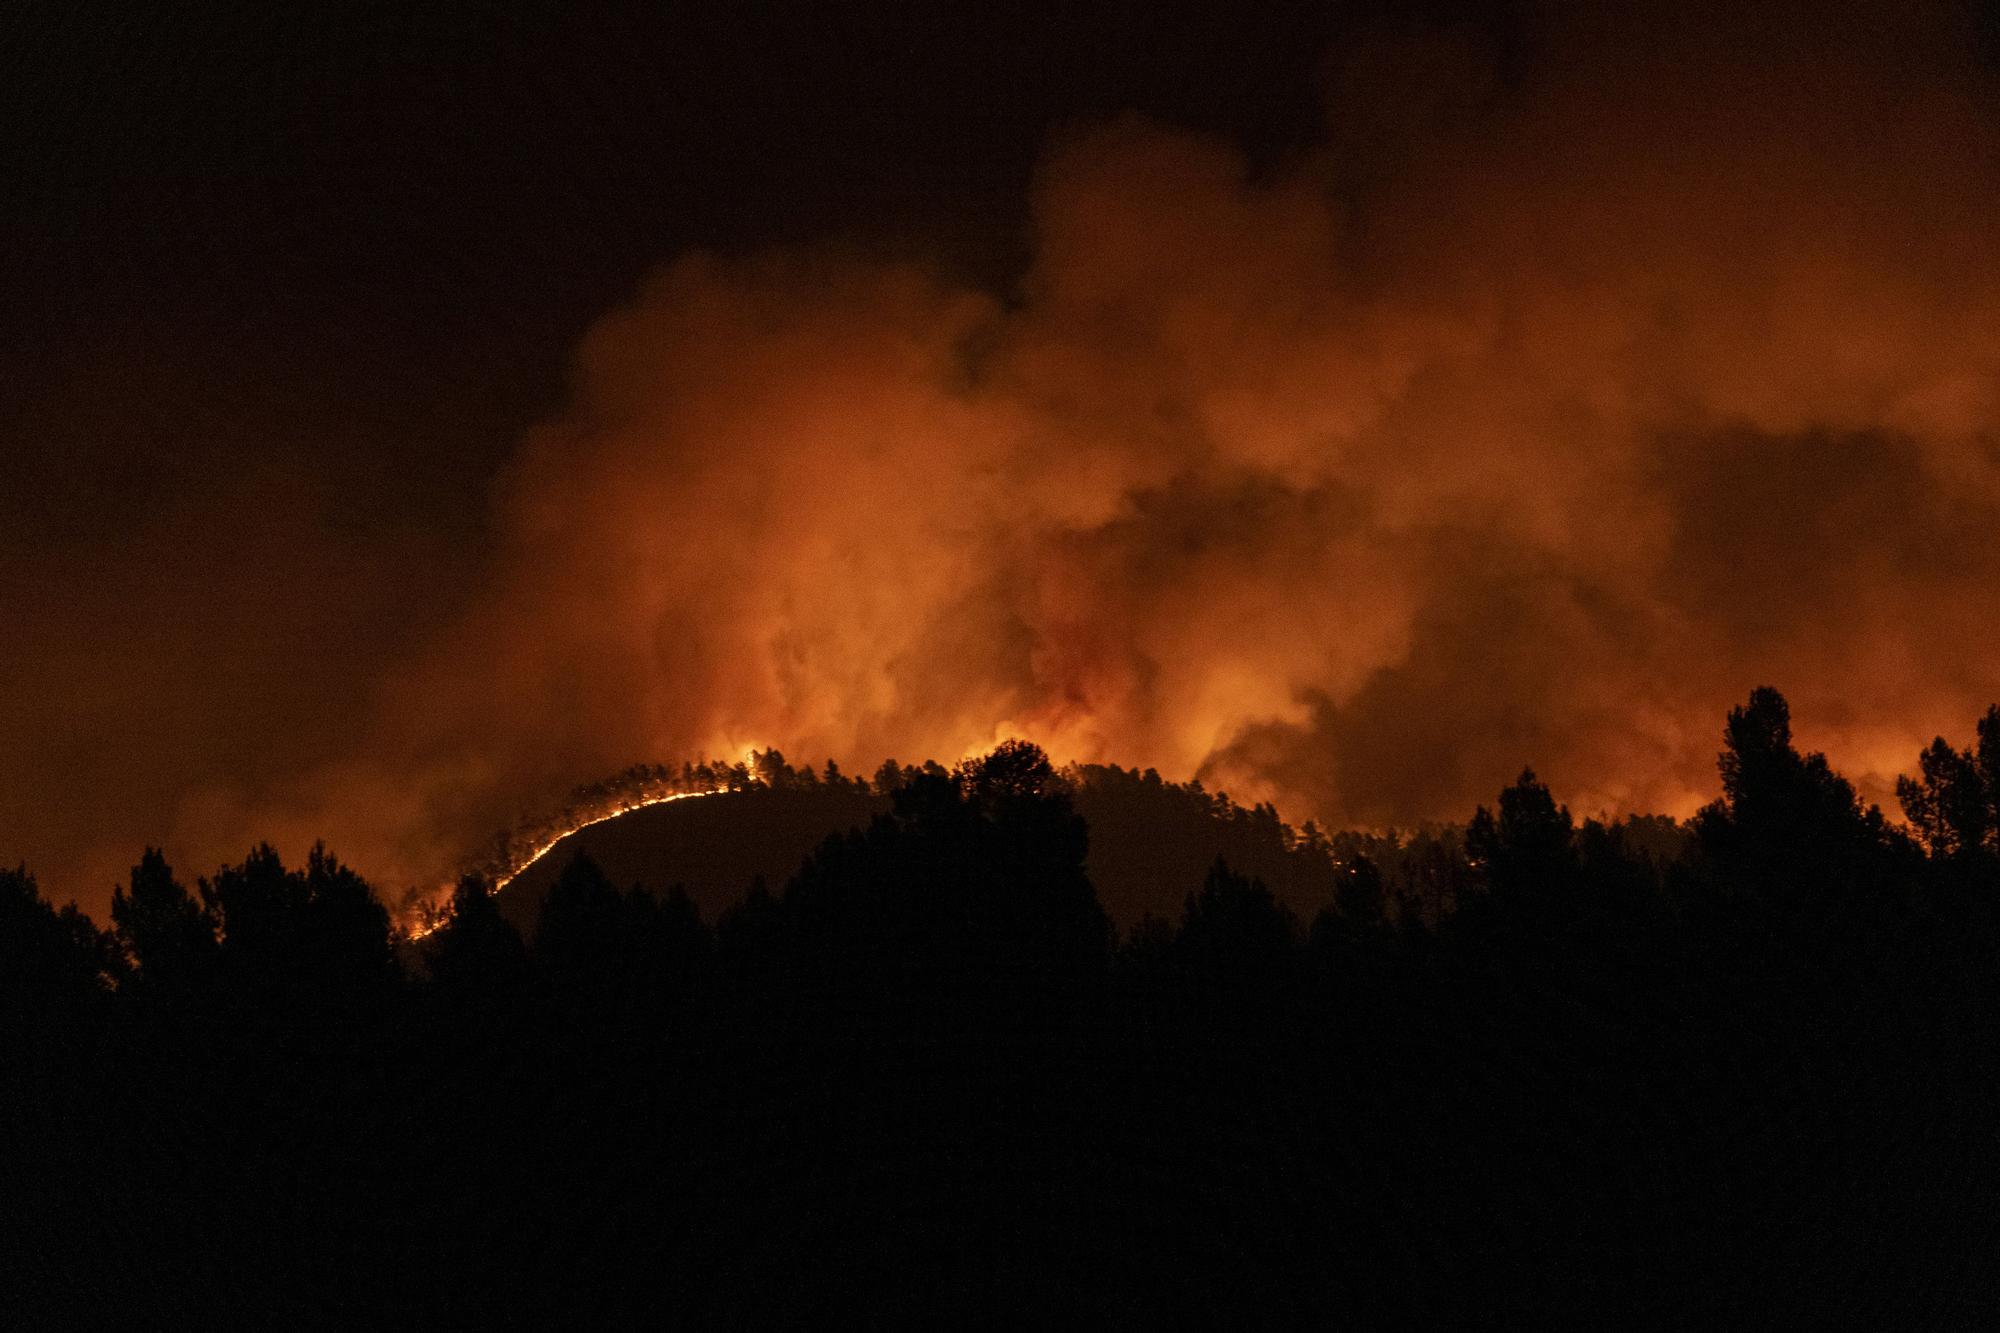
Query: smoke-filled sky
x=406, y=420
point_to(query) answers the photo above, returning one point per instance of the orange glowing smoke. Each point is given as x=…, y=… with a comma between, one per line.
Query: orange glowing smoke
x=1534, y=418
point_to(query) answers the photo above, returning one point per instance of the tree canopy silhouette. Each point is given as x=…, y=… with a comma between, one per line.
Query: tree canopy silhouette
x=1522, y=1070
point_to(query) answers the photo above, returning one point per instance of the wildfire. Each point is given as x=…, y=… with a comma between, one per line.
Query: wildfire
x=433, y=918
x=539, y=852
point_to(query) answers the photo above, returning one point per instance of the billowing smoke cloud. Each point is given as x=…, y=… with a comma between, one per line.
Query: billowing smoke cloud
x=1568, y=391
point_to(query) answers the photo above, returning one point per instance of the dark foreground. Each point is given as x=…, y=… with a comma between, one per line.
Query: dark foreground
x=1752, y=1081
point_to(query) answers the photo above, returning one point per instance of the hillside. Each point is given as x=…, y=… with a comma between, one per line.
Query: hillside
x=712, y=848
x=1151, y=842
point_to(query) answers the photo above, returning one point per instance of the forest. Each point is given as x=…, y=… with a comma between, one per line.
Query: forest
x=1728, y=1072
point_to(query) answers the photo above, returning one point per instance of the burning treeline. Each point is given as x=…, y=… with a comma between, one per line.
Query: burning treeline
x=1562, y=392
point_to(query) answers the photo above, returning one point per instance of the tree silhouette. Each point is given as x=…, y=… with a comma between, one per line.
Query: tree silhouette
x=973, y=884
x=1233, y=928
x=162, y=930
x=475, y=951
x=1361, y=899
x=307, y=940
x=1528, y=849
x=47, y=956
x=1788, y=828
x=258, y=907
x=668, y=946
x=754, y=927
x=1949, y=805
x=348, y=927
x=1014, y=773
x=581, y=939
x=1987, y=756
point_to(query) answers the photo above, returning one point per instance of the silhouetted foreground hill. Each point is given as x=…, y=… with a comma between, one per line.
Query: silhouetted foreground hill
x=713, y=849
x=1149, y=839
x=1517, y=1073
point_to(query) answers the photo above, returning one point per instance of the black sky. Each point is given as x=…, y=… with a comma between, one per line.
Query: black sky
x=355, y=243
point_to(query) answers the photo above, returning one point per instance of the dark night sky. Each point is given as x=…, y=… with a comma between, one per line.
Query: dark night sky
x=358, y=242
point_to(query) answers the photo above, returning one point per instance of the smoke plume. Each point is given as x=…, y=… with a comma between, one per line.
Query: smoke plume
x=1569, y=388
